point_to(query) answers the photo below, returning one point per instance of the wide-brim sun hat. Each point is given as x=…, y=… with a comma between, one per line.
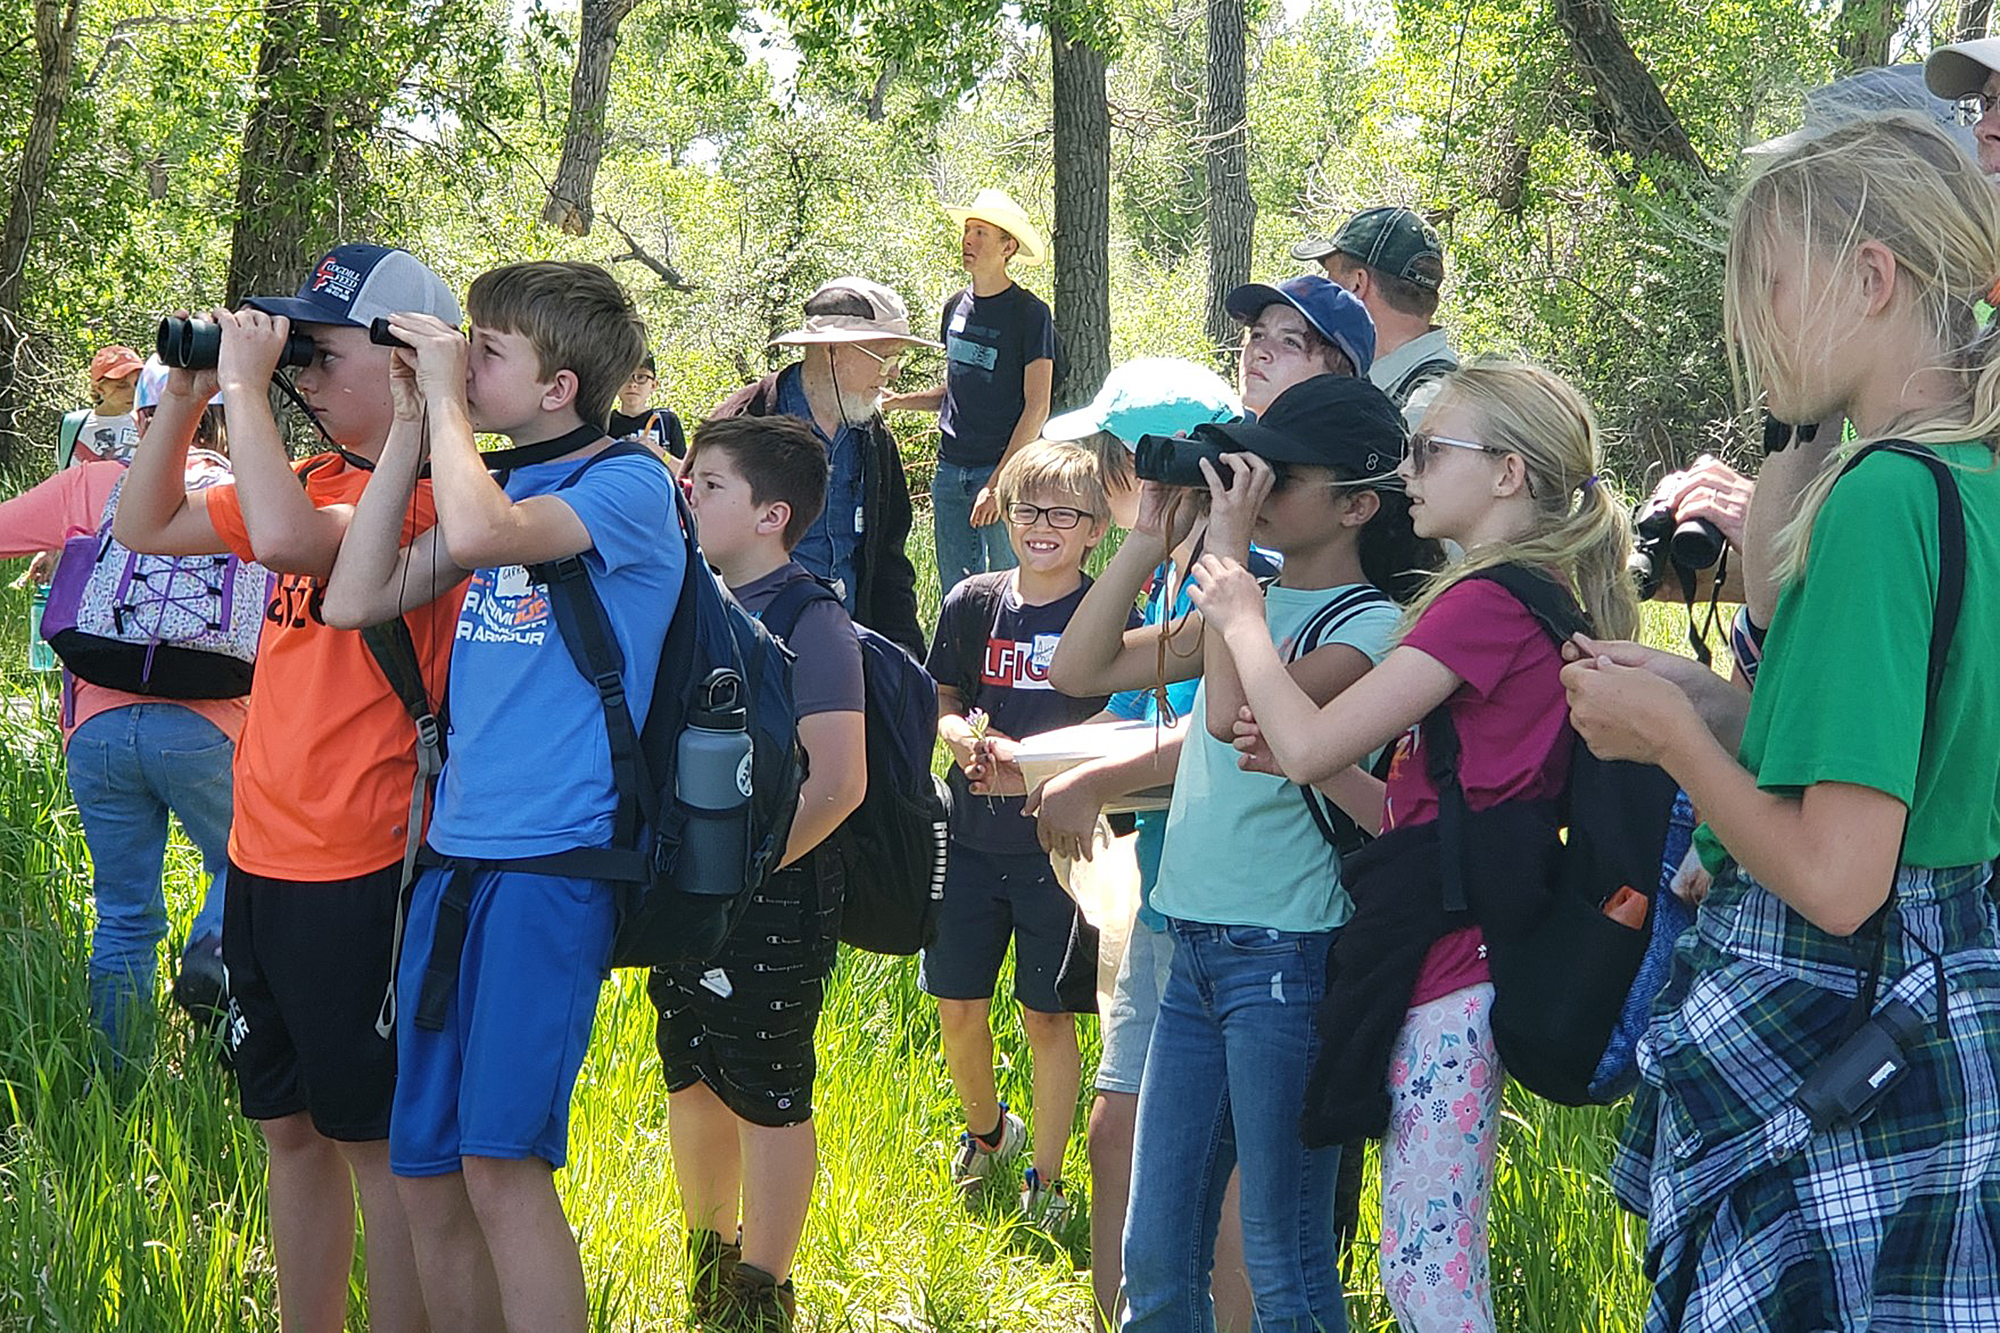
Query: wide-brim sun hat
x=998, y=207
x=1154, y=395
x=887, y=318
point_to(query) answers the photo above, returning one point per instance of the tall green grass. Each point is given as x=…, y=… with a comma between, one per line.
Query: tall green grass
x=138, y=1205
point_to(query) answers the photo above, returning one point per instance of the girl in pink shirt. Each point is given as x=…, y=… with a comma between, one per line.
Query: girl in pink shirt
x=1506, y=466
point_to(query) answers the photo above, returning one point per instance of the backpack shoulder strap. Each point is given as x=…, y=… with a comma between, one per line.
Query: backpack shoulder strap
x=72, y=429
x=1338, y=827
x=1552, y=605
x=781, y=615
x=1951, y=553
x=593, y=648
x=394, y=649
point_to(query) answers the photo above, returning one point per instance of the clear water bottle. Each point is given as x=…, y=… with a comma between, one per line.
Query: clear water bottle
x=712, y=779
x=41, y=657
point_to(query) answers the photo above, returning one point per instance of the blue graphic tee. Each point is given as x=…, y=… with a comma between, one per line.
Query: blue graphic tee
x=529, y=772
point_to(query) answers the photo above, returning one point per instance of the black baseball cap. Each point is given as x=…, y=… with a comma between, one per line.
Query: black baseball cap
x=1396, y=241
x=1333, y=421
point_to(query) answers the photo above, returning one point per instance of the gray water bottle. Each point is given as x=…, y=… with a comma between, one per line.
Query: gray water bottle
x=712, y=780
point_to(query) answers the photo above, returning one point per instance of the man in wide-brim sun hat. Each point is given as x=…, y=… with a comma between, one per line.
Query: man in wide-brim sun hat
x=855, y=334
x=1000, y=349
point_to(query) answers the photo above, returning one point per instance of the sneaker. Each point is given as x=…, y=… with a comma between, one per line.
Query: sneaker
x=710, y=1261
x=752, y=1301
x=202, y=985
x=974, y=1160
x=1044, y=1203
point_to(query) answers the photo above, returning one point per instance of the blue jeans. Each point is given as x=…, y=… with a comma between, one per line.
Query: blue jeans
x=127, y=768
x=963, y=550
x=1224, y=1087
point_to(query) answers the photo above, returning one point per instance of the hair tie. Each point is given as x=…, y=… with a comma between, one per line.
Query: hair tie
x=1588, y=482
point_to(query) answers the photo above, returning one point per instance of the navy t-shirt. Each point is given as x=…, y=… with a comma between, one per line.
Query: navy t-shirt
x=988, y=343
x=994, y=650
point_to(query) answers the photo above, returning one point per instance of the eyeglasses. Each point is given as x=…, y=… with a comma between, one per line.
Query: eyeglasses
x=1974, y=107
x=1423, y=448
x=1060, y=517
x=890, y=363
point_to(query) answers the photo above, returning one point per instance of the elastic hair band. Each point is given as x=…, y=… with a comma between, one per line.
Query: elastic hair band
x=1588, y=482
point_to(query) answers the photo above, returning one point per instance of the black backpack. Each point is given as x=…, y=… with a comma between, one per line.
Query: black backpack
x=1561, y=968
x=660, y=923
x=892, y=847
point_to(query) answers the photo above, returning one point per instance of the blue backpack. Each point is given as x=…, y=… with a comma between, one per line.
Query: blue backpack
x=660, y=922
x=892, y=847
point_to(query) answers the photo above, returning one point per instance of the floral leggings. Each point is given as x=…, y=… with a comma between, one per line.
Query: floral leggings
x=1437, y=1164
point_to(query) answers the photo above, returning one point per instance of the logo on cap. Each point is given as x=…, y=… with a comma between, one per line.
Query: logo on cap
x=336, y=280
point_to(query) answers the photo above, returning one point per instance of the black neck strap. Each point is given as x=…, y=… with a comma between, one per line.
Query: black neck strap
x=506, y=460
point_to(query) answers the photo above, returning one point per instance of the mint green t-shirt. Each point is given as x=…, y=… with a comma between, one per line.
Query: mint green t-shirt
x=1242, y=848
x=1840, y=694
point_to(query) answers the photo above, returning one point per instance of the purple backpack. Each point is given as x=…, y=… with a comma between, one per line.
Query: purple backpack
x=175, y=626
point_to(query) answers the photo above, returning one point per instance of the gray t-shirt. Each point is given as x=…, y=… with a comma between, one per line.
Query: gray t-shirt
x=826, y=678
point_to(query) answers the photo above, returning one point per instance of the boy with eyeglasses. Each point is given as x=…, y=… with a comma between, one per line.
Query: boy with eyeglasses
x=996, y=634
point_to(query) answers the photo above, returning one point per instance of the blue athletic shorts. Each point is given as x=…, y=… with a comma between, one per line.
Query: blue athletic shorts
x=990, y=898
x=496, y=1082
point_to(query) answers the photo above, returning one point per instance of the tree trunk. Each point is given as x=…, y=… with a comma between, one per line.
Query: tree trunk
x=1231, y=212
x=1863, y=30
x=1974, y=16
x=583, y=137
x=292, y=151
x=55, y=52
x=1635, y=111
x=1083, y=216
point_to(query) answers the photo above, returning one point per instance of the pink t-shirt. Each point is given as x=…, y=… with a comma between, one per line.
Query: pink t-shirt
x=44, y=517
x=1513, y=733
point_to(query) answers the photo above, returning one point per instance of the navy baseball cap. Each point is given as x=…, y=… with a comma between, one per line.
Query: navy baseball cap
x=1329, y=307
x=359, y=284
x=1332, y=421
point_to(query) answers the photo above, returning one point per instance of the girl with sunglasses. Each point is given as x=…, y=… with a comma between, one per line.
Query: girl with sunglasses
x=1506, y=466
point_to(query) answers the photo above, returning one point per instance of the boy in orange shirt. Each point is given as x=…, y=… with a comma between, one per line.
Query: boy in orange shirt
x=324, y=769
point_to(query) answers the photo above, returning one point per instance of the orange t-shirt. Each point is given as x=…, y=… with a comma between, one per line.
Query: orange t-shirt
x=324, y=767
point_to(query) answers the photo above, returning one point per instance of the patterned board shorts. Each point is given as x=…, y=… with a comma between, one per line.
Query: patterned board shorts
x=1756, y=1220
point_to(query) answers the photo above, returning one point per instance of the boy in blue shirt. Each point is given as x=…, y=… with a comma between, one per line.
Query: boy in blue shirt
x=481, y=1111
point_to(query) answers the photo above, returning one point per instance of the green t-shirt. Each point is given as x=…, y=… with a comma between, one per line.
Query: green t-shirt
x=1840, y=694
x=1242, y=848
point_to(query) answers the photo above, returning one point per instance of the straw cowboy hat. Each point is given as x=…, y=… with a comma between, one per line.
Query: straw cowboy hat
x=887, y=317
x=998, y=207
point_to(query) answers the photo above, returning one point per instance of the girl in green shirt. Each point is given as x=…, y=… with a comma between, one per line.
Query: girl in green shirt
x=1851, y=835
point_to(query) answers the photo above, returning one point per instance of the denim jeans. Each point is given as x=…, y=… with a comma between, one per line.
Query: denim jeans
x=963, y=550
x=127, y=768
x=1224, y=1087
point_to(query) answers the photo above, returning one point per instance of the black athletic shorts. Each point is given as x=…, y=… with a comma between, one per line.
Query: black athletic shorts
x=308, y=971
x=743, y=1021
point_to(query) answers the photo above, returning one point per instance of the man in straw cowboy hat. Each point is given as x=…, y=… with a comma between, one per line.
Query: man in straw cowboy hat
x=854, y=335
x=1000, y=349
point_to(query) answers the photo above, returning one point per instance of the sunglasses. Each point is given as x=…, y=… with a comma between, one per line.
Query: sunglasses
x=1423, y=447
x=1060, y=517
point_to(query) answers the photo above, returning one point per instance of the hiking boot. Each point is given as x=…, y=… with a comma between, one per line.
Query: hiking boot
x=973, y=1161
x=752, y=1301
x=202, y=985
x=1044, y=1203
x=710, y=1262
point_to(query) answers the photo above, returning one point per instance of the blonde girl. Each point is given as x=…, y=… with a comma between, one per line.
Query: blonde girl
x=1506, y=466
x=1851, y=834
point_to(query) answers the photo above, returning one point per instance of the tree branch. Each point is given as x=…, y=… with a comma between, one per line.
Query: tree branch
x=636, y=252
